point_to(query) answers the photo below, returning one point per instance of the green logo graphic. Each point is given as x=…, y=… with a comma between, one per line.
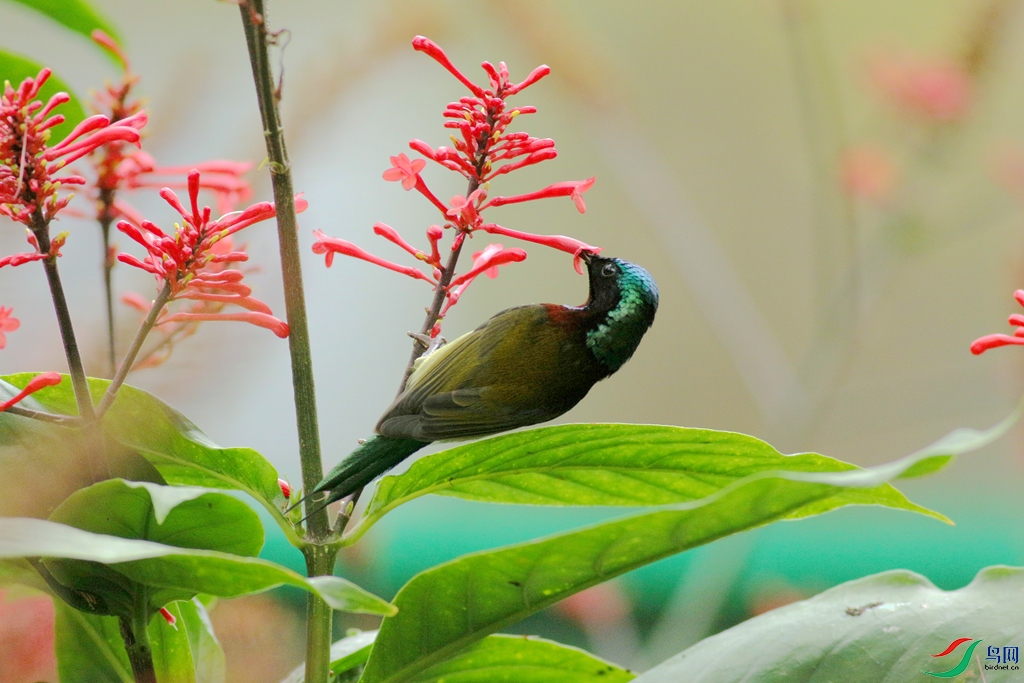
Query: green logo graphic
x=964, y=661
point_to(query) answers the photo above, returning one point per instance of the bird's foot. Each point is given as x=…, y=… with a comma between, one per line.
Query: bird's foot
x=429, y=344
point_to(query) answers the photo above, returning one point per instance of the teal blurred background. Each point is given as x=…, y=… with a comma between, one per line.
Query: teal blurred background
x=828, y=194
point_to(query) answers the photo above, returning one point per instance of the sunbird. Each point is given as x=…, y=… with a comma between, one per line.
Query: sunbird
x=525, y=365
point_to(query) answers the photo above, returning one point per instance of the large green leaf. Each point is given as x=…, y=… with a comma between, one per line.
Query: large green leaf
x=187, y=517
x=635, y=465
x=518, y=659
x=495, y=659
x=885, y=628
x=89, y=647
x=15, y=68
x=176, y=569
x=207, y=654
x=179, y=451
x=77, y=15
x=172, y=652
x=444, y=609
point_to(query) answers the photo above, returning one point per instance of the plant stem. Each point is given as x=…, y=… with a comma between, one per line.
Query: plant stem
x=319, y=616
x=133, y=350
x=319, y=558
x=63, y=420
x=106, y=201
x=41, y=230
x=140, y=654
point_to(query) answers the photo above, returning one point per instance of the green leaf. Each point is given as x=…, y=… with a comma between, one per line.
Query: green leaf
x=187, y=517
x=880, y=629
x=77, y=15
x=636, y=465
x=207, y=654
x=445, y=608
x=176, y=569
x=179, y=451
x=346, y=654
x=89, y=647
x=519, y=659
x=172, y=652
x=15, y=68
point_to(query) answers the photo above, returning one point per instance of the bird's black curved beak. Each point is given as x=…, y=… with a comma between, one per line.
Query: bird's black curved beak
x=587, y=256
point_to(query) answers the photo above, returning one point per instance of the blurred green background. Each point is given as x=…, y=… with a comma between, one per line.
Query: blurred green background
x=827, y=193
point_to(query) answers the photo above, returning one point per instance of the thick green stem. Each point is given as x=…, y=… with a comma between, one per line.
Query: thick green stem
x=133, y=351
x=319, y=558
x=254, y=21
x=41, y=230
x=319, y=616
x=140, y=654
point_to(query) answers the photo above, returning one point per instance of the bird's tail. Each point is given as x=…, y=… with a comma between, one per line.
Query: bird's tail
x=373, y=458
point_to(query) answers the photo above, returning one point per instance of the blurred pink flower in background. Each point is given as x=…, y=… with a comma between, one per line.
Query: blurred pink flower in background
x=936, y=89
x=868, y=172
x=26, y=640
x=7, y=324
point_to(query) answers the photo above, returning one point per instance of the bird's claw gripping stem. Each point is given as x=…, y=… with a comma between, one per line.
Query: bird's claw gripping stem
x=429, y=344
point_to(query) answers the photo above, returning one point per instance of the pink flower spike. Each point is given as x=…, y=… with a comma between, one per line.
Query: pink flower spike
x=329, y=246
x=286, y=488
x=495, y=259
x=111, y=46
x=7, y=324
x=404, y=170
x=169, y=618
x=40, y=381
x=433, y=50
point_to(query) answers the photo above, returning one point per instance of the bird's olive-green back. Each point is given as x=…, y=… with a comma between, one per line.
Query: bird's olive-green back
x=523, y=366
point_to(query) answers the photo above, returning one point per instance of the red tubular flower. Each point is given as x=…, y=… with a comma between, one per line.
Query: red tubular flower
x=169, y=618
x=45, y=379
x=329, y=246
x=569, y=188
x=560, y=242
x=286, y=488
x=991, y=341
x=7, y=324
x=29, y=184
x=193, y=263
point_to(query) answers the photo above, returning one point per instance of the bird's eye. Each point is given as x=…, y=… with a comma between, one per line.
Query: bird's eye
x=609, y=269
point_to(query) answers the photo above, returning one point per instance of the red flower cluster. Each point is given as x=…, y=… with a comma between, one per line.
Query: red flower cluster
x=483, y=150
x=29, y=184
x=193, y=262
x=119, y=167
x=991, y=341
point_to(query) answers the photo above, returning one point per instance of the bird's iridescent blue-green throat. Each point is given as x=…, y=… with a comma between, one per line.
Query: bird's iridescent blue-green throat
x=525, y=365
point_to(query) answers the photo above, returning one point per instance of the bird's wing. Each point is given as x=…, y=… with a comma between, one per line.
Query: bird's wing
x=469, y=387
